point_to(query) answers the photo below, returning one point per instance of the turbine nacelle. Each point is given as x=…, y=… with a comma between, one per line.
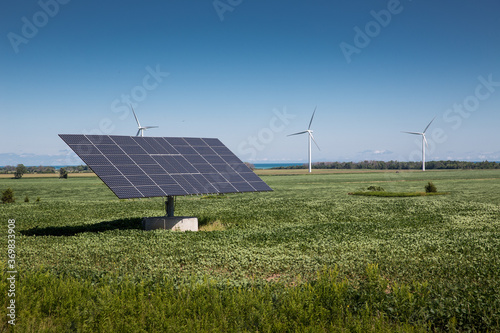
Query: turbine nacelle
x=141, y=130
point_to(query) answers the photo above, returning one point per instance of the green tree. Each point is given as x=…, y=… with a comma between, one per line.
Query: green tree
x=8, y=196
x=63, y=173
x=20, y=171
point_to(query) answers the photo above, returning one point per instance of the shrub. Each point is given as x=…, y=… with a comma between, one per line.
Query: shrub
x=375, y=188
x=63, y=173
x=430, y=188
x=26, y=199
x=8, y=196
x=38, y=199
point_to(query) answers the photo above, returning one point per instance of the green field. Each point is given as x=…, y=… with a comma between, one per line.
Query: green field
x=306, y=257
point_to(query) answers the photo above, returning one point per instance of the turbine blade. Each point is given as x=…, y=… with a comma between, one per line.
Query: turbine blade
x=139, y=131
x=297, y=133
x=312, y=118
x=416, y=133
x=146, y=127
x=137, y=120
x=425, y=140
x=312, y=137
x=429, y=124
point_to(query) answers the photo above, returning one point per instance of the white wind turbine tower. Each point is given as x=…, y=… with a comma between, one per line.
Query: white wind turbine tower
x=424, y=142
x=141, y=128
x=310, y=134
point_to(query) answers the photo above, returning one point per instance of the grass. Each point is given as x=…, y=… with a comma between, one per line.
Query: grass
x=212, y=226
x=306, y=257
x=396, y=194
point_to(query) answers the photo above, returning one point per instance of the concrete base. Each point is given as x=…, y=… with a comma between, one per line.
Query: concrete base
x=176, y=223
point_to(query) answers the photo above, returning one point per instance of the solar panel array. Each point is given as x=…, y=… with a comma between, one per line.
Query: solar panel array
x=138, y=167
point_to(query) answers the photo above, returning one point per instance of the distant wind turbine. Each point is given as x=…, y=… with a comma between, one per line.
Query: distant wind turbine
x=424, y=142
x=310, y=134
x=141, y=128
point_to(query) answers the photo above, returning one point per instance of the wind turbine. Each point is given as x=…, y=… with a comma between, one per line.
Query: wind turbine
x=141, y=128
x=310, y=134
x=424, y=142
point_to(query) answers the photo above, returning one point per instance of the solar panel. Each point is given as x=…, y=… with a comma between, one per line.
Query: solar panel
x=139, y=167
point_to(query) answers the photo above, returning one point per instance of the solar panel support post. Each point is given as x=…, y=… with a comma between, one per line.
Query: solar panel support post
x=170, y=206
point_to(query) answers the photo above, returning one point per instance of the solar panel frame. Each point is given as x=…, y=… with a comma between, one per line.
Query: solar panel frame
x=136, y=167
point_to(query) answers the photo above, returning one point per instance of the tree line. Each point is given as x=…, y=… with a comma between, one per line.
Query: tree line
x=20, y=169
x=397, y=165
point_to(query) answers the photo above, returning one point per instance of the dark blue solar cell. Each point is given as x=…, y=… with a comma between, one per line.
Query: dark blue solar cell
x=213, y=142
x=260, y=186
x=206, y=185
x=195, y=159
x=150, y=140
x=86, y=150
x=223, y=168
x=153, y=169
x=176, y=165
x=243, y=186
x=142, y=159
x=200, y=183
x=214, y=159
x=250, y=177
x=193, y=182
x=163, y=162
x=176, y=141
x=233, y=177
x=224, y=187
x=140, y=180
x=130, y=170
x=195, y=142
x=173, y=190
x=158, y=147
x=241, y=167
x=185, y=184
x=185, y=164
x=231, y=159
x=163, y=179
x=146, y=146
x=100, y=139
x=214, y=177
x=151, y=191
x=105, y=170
x=222, y=151
x=123, y=140
x=109, y=149
x=185, y=150
x=119, y=159
x=205, y=151
x=133, y=150
x=75, y=139
x=125, y=192
x=168, y=148
x=95, y=160
x=204, y=168
x=115, y=181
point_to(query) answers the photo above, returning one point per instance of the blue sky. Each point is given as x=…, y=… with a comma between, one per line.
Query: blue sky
x=251, y=72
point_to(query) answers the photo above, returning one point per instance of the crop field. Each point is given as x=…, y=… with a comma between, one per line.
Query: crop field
x=305, y=257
